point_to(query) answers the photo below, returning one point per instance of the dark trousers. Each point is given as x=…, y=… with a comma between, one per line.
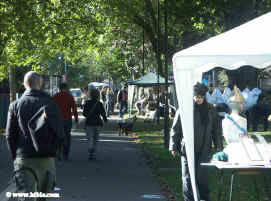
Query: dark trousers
x=256, y=120
x=123, y=108
x=249, y=118
x=260, y=112
x=217, y=137
x=67, y=131
x=34, y=175
x=201, y=181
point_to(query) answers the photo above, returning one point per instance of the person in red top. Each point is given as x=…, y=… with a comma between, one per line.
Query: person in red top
x=67, y=107
x=122, y=101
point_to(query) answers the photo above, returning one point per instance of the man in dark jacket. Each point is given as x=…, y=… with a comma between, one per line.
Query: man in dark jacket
x=203, y=120
x=34, y=170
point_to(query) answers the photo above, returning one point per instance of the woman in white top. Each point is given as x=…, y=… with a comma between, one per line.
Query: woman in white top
x=235, y=125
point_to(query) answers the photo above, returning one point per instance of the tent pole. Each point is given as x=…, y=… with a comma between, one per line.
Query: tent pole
x=213, y=78
x=143, y=40
x=158, y=55
x=166, y=114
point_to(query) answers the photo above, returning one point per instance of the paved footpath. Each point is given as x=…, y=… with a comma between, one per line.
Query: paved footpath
x=118, y=174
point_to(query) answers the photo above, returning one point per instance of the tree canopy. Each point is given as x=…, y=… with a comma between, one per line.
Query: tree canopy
x=105, y=38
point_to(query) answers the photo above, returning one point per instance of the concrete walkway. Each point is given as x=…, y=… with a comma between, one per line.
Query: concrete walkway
x=118, y=174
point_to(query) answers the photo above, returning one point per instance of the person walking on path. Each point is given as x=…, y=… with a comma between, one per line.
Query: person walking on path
x=103, y=93
x=204, y=114
x=67, y=107
x=122, y=101
x=35, y=170
x=109, y=101
x=93, y=110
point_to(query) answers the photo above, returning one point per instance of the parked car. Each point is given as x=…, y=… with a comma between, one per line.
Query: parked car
x=77, y=95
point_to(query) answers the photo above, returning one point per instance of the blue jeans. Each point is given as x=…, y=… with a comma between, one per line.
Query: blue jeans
x=92, y=136
x=67, y=131
x=123, y=108
x=201, y=181
x=108, y=108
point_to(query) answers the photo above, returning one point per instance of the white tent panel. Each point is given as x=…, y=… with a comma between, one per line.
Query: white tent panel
x=184, y=91
x=131, y=92
x=248, y=39
x=248, y=44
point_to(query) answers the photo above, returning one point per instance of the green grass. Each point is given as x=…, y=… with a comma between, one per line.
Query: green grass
x=167, y=169
x=173, y=179
x=164, y=166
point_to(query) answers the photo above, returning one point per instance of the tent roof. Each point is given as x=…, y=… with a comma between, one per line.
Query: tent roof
x=248, y=44
x=149, y=79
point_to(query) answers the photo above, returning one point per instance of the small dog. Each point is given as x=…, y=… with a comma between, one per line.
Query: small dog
x=126, y=126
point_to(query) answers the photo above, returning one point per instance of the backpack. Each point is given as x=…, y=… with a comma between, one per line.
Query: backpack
x=42, y=131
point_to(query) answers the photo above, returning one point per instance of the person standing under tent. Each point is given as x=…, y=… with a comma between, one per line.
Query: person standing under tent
x=261, y=111
x=220, y=107
x=122, y=101
x=203, y=121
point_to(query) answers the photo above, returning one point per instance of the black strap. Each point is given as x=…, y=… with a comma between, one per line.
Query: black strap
x=244, y=131
x=92, y=110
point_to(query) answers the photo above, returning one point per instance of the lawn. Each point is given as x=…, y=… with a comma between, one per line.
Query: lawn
x=167, y=169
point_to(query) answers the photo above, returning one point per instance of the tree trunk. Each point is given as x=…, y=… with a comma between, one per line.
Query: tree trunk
x=12, y=84
x=159, y=64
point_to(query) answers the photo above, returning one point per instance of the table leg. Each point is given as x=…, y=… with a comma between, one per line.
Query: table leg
x=267, y=187
x=256, y=189
x=221, y=182
x=231, y=190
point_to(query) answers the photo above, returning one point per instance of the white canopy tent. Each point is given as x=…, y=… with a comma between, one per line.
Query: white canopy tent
x=248, y=44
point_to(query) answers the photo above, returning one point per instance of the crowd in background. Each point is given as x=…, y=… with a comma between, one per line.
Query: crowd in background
x=256, y=107
x=144, y=101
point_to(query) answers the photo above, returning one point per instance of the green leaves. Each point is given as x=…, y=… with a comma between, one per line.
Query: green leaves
x=110, y=33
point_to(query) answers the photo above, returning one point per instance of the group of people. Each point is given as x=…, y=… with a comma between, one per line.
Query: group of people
x=35, y=171
x=206, y=119
x=107, y=99
x=110, y=101
x=34, y=167
x=255, y=106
